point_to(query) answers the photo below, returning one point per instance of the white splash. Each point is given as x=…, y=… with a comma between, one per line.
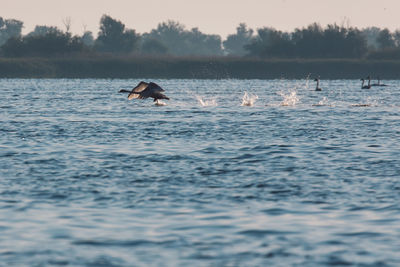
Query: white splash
x=249, y=99
x=322, y=102
x=289, y=99
x=160, y=103
x=206, y=102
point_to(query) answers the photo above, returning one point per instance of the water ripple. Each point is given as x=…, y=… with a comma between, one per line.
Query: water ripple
x=291, y=179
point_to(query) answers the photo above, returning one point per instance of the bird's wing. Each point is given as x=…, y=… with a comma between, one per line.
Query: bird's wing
x=155, y=87
x=151, y=90
x=136, y=92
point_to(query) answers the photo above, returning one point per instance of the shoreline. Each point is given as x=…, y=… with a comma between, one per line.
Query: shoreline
x=196, y=68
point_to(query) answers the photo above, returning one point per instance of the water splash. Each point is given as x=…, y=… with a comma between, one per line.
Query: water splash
x=322, y=102
x=289, y=99
x=206, y=102
x=160, y=103
x=249, y=99
x=290, y=96
x=307, y=83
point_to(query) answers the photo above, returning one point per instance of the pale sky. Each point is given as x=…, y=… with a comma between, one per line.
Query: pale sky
x=210, y=16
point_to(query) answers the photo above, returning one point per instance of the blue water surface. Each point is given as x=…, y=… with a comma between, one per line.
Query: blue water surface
x=299, y=178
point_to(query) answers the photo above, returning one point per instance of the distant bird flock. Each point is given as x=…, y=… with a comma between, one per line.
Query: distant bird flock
x=363, y=86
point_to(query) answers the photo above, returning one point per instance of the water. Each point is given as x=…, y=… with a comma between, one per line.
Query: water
x=299, y=178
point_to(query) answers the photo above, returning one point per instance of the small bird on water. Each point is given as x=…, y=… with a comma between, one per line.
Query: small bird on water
x=145, y=90
x=317, y=88
x=366, y=86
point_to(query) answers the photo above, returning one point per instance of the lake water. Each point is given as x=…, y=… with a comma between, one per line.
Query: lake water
x=299, y=178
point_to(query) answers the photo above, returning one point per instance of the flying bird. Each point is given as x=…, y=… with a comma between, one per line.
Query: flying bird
x=145, y=90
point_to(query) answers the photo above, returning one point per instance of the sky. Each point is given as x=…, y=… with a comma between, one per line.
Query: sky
x=210, y=16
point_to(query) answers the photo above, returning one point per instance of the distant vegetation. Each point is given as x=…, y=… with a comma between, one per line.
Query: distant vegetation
x=141, y=67
x=50, y=51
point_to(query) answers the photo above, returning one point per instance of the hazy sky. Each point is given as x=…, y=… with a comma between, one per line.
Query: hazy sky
x=210, y=16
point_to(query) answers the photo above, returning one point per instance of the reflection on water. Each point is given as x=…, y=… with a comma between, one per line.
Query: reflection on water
x=302, y=178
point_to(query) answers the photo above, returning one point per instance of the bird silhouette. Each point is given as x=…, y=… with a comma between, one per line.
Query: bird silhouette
x=317, y=88
x=366, y=86
x=145, y=90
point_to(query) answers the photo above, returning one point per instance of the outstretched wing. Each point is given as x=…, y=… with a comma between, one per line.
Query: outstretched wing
x=136, y=92
x=155, y=87
x=151, y=90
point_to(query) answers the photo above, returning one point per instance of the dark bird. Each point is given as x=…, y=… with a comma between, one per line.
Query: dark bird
x=145, y=90
x=366, y=86
x=317, y=88
x=379, y=83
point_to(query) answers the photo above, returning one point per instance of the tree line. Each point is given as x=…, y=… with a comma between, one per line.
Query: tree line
x=171, y=38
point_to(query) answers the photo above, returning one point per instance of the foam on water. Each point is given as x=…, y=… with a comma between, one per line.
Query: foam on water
x=249, y=99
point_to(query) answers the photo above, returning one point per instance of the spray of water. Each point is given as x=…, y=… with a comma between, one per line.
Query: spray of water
x=160, y=103
x=290, y=96
x=322, y=102
x=249, y=99
x=206, y=102
x=289, y=99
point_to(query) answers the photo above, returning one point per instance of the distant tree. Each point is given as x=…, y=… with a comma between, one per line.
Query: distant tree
x=203, y=44
x=170, y=34
x=52, y=43
x=153, y=47
x=356, y=44
x=41, y=30
x=334, y=41
x=309, y=41
x=396, y=37
x=385, y=39
x=270, y=42
x=182, y=42
x=343, y=42
x=235, y=43
x=13, y=47
x=87, y=38
x=9, y=28
x=67, y=23
x=114, y=38
x=371, y=35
